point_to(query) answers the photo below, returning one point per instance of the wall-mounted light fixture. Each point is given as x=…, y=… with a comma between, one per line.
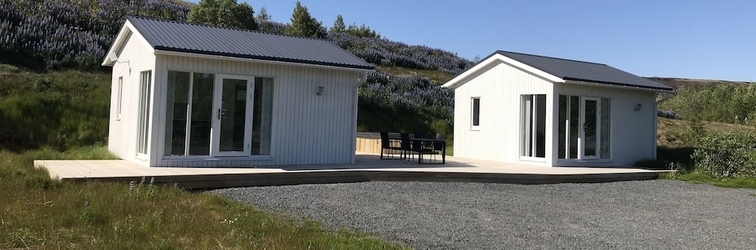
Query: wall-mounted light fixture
x=320, y=90
x=114, y=58
x=638, y=107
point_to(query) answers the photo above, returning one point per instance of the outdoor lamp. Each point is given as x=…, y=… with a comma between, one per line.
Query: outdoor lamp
x=638, y=107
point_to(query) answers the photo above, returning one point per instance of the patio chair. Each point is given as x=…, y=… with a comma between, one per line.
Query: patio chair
x=406, y=145
x=412, y=147
x=386, y=145
x=438, y=147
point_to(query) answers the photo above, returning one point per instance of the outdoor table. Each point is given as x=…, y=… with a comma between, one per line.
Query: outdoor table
x=432, y=141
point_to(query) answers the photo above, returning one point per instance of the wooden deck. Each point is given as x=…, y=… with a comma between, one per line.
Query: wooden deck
x=367, y=168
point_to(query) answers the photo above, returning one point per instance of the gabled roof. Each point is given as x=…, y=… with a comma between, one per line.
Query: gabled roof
x=173, y=36
x=563, y=70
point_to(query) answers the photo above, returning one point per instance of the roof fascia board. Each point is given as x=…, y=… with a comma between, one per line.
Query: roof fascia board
x=121, y=38
x=605, y=85
x=456, y=81
x=218, y=57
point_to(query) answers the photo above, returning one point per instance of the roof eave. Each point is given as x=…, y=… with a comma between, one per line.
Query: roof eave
x=457, y=80
x=618, y=85
x=121, y=38
x=248, y=58
x=117, y=43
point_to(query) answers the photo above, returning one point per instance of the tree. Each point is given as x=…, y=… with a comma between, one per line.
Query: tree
x=224, y=13
x=302, y=24
x=361, y=31
x=338, y=25
x=263, y=15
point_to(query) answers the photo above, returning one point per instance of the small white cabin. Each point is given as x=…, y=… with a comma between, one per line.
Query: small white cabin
x=192, y=95
x=545, y=111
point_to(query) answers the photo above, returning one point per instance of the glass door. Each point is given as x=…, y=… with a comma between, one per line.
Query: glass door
x=232, y=116
x=590, y=128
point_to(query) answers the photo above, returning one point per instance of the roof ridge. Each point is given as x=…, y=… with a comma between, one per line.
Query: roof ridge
x=550, y=57
x=226, y=28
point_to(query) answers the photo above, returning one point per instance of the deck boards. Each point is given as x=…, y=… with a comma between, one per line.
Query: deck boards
x=368, y=167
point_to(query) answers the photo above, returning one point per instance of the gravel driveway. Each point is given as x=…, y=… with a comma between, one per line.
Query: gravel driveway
x=659, y=214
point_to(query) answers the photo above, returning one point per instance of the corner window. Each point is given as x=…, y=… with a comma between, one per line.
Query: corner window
x=144, y=112
x=119, y=96
x=476, y=113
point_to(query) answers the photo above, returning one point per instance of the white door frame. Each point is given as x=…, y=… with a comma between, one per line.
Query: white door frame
x=217, y=114
x=582, y=137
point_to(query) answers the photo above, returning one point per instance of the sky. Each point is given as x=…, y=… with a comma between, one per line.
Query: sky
x=713, y=39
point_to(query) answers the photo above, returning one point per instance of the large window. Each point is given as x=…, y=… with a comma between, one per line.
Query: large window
x=475, y=113
x=143, y=122
x=262, y=116
x=533, y=122
x=584, y=127
x=209, y=114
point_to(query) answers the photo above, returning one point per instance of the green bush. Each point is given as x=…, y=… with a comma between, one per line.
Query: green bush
x=729, y=103
x=725, y=155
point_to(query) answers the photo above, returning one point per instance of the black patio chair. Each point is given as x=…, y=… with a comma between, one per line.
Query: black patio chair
x=387, y=145
x=438, y=147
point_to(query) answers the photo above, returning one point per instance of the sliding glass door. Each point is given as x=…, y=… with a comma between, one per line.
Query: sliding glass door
x=583, y=128
x=233, y=99
x=533, y=126
x=213, y=115
x=590, y=140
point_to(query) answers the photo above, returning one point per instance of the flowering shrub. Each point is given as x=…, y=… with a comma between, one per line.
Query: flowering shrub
x=381, y=51
x=69, y=34
x=409, y=103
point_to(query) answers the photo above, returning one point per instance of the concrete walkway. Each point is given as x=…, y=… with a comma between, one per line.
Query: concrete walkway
x=367, y=168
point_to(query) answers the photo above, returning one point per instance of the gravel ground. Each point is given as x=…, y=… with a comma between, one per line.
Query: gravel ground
x=659, y=214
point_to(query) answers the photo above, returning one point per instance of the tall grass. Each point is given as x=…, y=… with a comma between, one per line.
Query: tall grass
x=37, y=212
x=57, y=109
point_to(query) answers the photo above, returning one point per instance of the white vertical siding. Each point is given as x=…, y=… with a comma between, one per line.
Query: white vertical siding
x=134, y=58
x=632, y=133
x=307, y=128
x=499, y=87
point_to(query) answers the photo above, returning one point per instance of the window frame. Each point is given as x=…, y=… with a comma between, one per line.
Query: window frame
x=119, y=96
x=475, y=113
x=143, y=119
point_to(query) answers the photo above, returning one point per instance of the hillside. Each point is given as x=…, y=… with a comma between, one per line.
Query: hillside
x=692, y=83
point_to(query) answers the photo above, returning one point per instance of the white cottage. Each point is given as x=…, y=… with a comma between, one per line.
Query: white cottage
x=201, y=96
x=545, y=111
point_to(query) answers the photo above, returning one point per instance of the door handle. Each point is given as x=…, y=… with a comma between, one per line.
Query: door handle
x=219, y=114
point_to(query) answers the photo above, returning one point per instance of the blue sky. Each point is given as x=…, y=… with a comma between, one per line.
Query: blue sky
x=713, y=39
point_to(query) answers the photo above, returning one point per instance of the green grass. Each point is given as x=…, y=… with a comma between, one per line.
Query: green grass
x=700, y=178
x=434, y=75
x=449, y=149
x=57, y=109
x=38, y=212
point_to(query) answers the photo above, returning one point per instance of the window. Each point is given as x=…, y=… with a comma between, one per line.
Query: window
x=476, y=113
x=262, y=116
x=584, y=127
x=144, y=112
x=119, y=97
x=533, y=122
x=193, y=126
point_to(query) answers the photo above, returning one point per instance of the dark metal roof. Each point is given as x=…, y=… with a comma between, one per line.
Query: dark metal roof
x=584, y=71
x=209, y=40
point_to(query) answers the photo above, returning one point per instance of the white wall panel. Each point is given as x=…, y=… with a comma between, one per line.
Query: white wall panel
x=499, y=87
x=132, y=59
x=632, y=133
x=307, y=128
